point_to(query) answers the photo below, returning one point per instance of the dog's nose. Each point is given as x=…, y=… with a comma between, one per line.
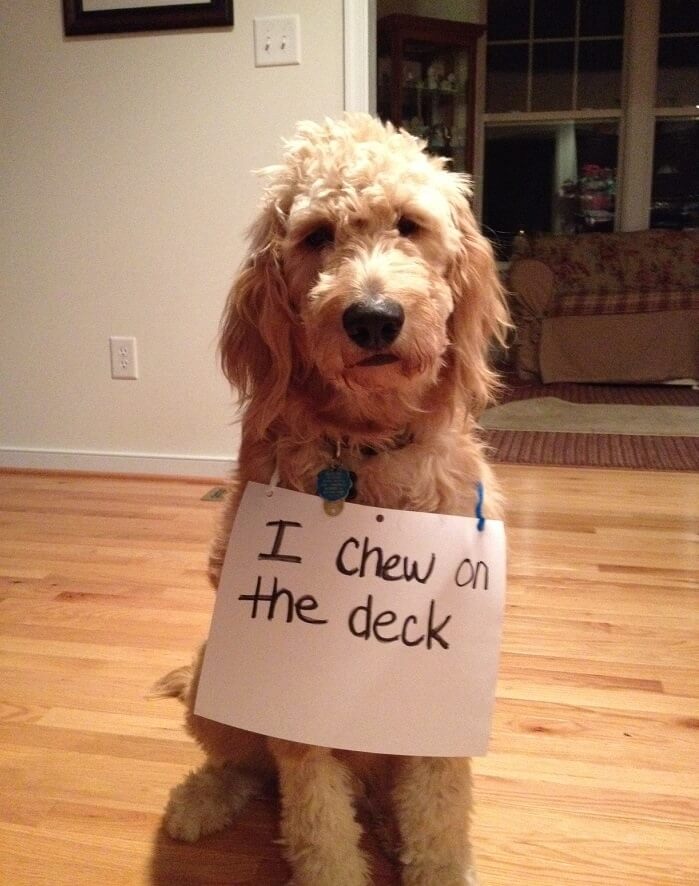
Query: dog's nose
x=373, y=323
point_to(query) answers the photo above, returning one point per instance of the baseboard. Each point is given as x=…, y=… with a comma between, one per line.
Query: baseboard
x=115, y=462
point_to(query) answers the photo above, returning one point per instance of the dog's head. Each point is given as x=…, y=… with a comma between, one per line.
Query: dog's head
x=367, y=280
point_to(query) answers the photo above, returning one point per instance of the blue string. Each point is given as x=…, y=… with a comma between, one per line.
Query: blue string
x=479, y=506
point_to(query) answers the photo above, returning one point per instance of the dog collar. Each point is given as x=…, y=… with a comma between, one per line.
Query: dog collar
x=400, y=441
x=336, y=484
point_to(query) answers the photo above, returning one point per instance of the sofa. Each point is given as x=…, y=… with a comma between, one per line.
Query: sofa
x=603, y=307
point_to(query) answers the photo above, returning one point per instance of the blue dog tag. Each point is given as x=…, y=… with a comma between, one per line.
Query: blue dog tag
x=334, y=484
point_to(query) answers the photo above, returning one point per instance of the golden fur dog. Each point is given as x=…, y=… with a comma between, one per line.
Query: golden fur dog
x=360, y=321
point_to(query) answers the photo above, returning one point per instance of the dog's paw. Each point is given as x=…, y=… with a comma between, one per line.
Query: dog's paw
x=206, y=801
x=189, y=821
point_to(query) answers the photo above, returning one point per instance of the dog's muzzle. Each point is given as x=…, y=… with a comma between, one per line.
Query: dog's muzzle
x=373, y=323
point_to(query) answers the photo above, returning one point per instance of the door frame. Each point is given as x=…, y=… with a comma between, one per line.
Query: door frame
x=359, y=18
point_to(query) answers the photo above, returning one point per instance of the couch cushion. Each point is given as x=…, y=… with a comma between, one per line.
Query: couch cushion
x=656, y=260
x=624, y=307
x=603, y=264
x=577, y=261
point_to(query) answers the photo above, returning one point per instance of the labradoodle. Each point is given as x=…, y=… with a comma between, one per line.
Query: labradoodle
x=360, y=323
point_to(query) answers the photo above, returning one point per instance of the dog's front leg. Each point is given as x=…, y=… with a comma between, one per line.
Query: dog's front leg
x=256, y=462
x=319, y=831
x=432, y=798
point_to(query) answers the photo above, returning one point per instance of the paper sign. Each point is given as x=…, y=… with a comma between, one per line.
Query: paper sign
x=373, y=630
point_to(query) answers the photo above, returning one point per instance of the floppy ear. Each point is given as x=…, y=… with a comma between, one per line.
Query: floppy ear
x=257, y=327
x=480, y=317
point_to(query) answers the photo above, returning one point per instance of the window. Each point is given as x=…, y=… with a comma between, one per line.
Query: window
x=675, y=195
x=552, y=176
x=553, y=106
x=552, y=55
x=678, y=52
x=675, y=200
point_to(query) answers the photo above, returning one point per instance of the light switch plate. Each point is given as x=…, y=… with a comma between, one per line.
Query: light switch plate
x=277, y=40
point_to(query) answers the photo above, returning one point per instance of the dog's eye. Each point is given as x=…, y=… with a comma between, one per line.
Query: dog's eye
x=319, y=237
x=407, y=227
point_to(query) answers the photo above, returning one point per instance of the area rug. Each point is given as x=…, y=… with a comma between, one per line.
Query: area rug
x=650, y=427
x=553, y=414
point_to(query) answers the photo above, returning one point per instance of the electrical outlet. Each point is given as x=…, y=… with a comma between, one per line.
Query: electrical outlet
x=122, y=350
x=277, y=40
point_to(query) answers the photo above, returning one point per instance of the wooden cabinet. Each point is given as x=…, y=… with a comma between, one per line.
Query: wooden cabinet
x=426, y=69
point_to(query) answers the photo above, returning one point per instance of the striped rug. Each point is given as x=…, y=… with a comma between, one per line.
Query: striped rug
x=598, y=449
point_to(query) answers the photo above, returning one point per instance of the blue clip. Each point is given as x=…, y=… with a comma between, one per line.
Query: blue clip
x=479, y=506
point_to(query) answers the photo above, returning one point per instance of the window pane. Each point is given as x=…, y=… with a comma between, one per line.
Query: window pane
x=506, y=87
x=677, y=16
x=678, y=71
x=552, y=82
x=601, y=17
x=517, y=177
x=594, y=201
x=554, y=18
x=569, y=185
x=508, y=19
x=599, y=74
x=675, y=200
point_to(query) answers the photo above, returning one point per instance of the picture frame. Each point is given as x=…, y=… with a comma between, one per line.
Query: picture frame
x=81, y=17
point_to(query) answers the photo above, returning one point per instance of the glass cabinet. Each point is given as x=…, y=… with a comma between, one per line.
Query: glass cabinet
x=426, y=71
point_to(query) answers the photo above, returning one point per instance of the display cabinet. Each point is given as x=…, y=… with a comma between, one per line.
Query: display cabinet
x=426, y=70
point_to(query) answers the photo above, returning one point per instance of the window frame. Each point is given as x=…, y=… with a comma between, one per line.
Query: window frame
x=576, y=39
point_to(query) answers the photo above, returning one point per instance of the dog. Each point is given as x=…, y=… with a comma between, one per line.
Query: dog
x=359, y=326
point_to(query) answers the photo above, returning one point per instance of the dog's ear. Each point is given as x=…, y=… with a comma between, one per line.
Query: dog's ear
x=256, y=337
x=480, y=317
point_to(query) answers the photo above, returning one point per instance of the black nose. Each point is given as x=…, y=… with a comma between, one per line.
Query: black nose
x=373, y=323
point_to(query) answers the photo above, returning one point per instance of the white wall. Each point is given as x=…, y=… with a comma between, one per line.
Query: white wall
x=125, y=188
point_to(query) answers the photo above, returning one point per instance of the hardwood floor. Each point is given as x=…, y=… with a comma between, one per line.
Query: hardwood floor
x=592, y=775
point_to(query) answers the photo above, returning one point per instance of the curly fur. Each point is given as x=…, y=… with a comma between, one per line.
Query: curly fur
x=354, y=182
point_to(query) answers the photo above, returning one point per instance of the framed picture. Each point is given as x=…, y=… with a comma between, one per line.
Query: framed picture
x=118, y=16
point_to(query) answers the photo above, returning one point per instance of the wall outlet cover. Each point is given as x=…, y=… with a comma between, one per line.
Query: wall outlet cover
x=123, y=356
